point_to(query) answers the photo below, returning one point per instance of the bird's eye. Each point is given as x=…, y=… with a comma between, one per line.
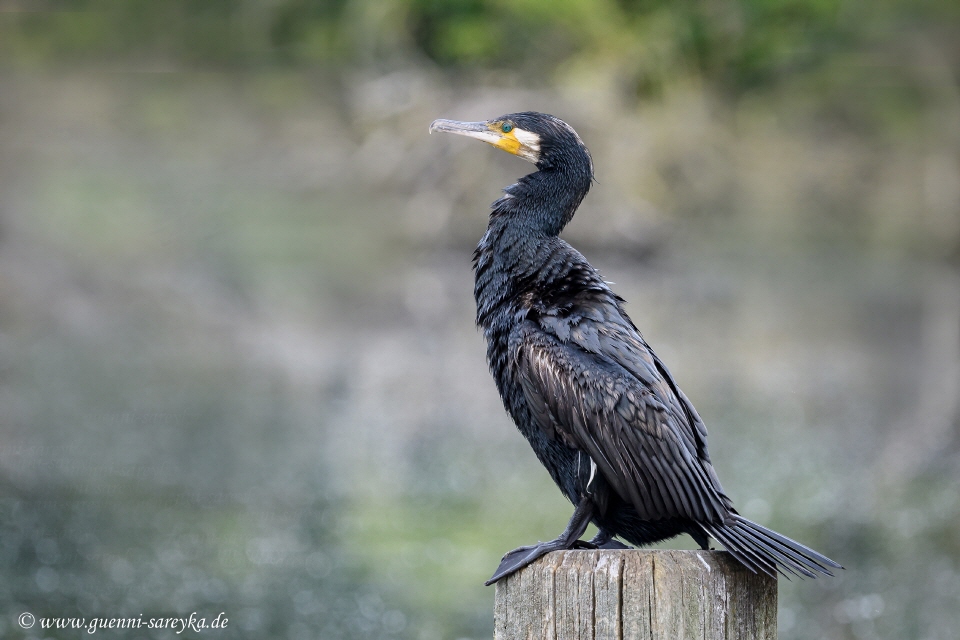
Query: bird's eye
x=506, y=127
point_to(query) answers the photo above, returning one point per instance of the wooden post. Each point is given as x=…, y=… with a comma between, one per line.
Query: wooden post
x=636, y=595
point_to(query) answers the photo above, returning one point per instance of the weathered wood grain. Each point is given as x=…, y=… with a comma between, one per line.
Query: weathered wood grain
x=636, y=595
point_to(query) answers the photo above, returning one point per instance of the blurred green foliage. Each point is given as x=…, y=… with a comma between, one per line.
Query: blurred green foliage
x=733, y=44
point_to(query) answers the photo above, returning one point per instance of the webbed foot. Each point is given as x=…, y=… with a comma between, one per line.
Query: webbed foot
x=520, y=557
x=569, y=539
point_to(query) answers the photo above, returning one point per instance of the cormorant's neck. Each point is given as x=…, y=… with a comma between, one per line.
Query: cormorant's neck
x=522, y=224
x=542, y=203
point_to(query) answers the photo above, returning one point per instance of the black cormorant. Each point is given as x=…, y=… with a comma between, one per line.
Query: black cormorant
x=600, y=409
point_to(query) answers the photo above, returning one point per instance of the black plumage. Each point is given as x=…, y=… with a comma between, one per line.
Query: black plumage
x=600, y=409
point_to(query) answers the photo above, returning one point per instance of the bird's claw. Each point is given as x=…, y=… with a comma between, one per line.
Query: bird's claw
x=612, y=544
x=605, y=540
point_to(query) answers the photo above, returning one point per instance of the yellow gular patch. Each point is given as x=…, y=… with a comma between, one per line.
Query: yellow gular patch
x=507, y=141
x=519, y=142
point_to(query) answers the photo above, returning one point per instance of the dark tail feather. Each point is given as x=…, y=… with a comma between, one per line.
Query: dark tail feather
x=764, y=551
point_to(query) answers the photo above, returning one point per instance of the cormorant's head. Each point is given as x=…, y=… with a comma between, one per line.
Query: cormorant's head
x=544, y=140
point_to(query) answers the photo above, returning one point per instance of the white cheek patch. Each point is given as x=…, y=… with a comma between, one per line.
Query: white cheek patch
x=528, y=139
x=529, y=144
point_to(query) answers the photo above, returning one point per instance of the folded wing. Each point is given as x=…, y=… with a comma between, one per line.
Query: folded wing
x=599, y=388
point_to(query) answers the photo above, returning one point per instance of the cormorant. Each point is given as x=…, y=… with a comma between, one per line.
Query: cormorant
x=600, y=409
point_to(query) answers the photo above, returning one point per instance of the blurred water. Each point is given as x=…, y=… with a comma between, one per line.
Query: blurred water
x=240, y=374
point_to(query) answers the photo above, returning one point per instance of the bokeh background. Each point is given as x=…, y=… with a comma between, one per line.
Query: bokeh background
x=238, y=367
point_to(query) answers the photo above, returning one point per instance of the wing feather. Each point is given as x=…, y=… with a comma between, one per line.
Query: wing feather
x=610, y=397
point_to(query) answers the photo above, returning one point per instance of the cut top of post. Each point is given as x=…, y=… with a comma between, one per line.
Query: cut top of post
x=636, y=594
